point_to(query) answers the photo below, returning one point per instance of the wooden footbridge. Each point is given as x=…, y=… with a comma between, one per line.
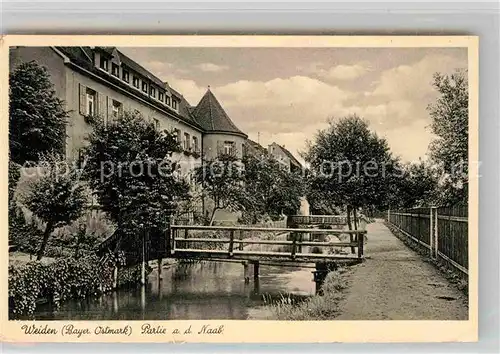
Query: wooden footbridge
x=283, y=246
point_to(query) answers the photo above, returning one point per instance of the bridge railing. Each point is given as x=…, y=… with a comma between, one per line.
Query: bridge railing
x=317, y=219
x=180, y=241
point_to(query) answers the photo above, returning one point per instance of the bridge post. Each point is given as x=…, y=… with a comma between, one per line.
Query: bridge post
x=256, y=271
x=246, y=276
x=320, y=275
x=361, y=242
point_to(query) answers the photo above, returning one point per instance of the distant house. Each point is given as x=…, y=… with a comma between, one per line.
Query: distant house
x=285, y=157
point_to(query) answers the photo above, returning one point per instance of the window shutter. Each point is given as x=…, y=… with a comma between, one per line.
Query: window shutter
x=110, y=109
x=220, y=148
x=83, y=91
x=101, y=105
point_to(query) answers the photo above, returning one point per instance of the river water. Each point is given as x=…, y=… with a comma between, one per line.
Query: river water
x=206, y=290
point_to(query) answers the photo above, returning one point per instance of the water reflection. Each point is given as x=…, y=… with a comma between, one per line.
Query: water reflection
x=207, y=290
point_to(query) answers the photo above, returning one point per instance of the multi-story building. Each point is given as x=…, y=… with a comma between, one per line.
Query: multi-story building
x=102, y=81
x=285, y=157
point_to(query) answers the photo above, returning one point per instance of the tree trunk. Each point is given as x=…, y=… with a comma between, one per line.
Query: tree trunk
x=212, y=218
x=355, y=216
x=349, y=224
x=349, y=217
x=46, y=235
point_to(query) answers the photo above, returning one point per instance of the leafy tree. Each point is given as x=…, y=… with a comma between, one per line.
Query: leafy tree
x=128, y=166
x=37, y=118
x=270, y=188
x=57, y=197
x=222, y=182
x=416, y=187
x=450, y=124
x=349, y=166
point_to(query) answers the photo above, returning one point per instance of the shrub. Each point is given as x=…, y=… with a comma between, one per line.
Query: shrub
x=58, y=281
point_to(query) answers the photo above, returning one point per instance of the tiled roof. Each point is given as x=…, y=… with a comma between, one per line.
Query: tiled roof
x=256, y=146
x=290, y=156
x=212, y=117
x=81, y=56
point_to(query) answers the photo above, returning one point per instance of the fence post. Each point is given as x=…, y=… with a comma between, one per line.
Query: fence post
x=436, y=235
x=231, y=242
x=389, y=215
x=431, y=231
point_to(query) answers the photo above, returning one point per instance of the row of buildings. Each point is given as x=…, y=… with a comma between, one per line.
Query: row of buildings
x=102, y=81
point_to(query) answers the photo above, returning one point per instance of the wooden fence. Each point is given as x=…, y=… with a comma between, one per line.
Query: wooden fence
x=442, y=231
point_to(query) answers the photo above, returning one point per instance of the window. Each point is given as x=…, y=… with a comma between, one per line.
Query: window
x=156, y=123
x=135, y=81
x=145, y=87
x=187, y=142
x=116, y=109
x=125, y=76
x=174, y=104
x=177, y=135
x=160, y=96
x=152, y=91
x=90, y=102
x=228, y=147
x=104, y=64
x=195, y=144
x=115, y=70
x=167, y=100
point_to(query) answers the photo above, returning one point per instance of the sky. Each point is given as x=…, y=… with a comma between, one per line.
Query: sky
x=285, y=95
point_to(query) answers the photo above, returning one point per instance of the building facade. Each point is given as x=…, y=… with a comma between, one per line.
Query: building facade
x=104, y=82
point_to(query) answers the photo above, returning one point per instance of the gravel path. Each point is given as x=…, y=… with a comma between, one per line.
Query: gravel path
x=396, y=284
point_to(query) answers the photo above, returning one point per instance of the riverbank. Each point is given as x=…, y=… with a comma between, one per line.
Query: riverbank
x=316, y=307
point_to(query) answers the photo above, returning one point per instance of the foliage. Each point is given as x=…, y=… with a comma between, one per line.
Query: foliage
x=222, y=181
x=416, y=187
x=24, y=234
x=37, y=117
x=350, y=166
x=450, y=124
x=57, y=197
x=61, y=280
x=128, y=167
x=14, y=175
x=270, y=189
x=317, y=307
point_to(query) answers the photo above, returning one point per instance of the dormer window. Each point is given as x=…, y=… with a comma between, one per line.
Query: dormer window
x=115, y=70
x=104, y=64
x=167, y=101
x=145, y=87
x=135, y=82
x=160, y=96
x=174, y=104
x=125, y=76
x=152, y=91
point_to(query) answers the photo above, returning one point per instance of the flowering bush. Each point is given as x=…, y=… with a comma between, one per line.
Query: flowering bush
x=59, y=281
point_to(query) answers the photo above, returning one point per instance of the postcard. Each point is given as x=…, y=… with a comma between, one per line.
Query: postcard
x=240, y=189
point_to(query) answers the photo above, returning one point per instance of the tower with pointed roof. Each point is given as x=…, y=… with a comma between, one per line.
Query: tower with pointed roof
x=221, y=135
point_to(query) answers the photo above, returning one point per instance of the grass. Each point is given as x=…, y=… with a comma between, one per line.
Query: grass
x=317, y=307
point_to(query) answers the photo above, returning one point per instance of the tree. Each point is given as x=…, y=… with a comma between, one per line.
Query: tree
x=222, y=181
x=416, y=187
x=450, y=124
x=350, y=166
x=57, y=197
x=128, y=166
x=37, y=117
x=270, y=188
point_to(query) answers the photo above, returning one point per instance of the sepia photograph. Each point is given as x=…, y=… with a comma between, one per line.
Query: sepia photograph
x=284, y=183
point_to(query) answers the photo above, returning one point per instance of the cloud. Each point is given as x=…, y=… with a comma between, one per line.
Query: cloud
x=211, y=67
x=347, y=72
x=414, y=81
x=188, y=88
x=338, y=72
x=290, y=110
